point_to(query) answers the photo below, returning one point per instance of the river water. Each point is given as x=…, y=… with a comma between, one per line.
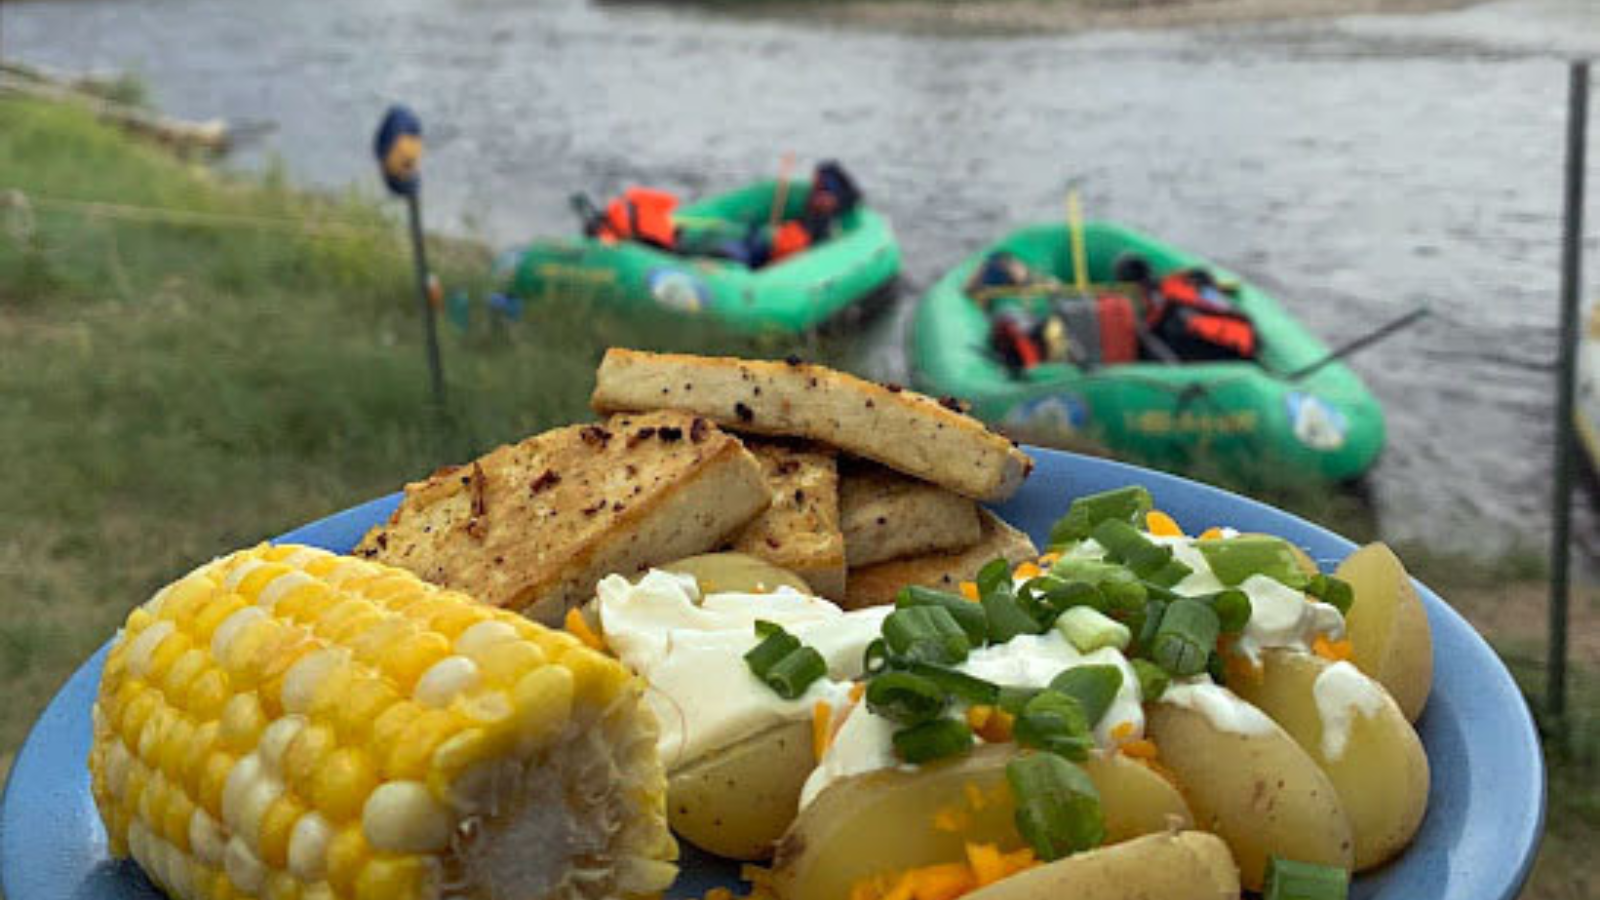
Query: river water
x=1356, y=167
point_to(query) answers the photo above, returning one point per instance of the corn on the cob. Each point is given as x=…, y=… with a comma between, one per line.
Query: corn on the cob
x=286, y=723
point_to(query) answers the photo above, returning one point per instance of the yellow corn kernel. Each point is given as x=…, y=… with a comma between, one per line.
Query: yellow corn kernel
x=331, y=692
x=596, y=679
x=305, y=756
x=184, y=598
x=249, y=587
x=346, y=610
x=167, y=653
x=348, y=853
x=242, y=723
x=403, y=817
x=137, y=713
x=393, y=722
x=543, y=703
x=366, y=700
x=347, y=629
x=340, y=787
x=175, y=820
x=374, y=642
x=452, y=619
x=209, y=694
x=183, y=672
x=276, y=827
x=304, y=602
x=280, y=886
x=177, y=745
x=204, y=626
x=410, y=755
x=387, y=585
x=411, y=656
x=214, y=780
x=506, y=662
x=243, y=655
x=204, y=740
x=395, y=878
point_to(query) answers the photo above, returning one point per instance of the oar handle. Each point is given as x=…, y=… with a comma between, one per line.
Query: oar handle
x=1360, y=343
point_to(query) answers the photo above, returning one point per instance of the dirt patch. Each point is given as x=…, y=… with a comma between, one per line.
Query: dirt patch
x=1031, y=16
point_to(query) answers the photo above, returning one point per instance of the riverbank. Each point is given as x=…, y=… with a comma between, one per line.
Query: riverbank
x=1034, y=16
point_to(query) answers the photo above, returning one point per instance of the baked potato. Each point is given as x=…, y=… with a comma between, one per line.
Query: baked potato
x=1256, y=789
x=736, y=573
x=1388, y=628
x=1375, y=761
x=896, y=819
x=737, y=801
x=1185, y=865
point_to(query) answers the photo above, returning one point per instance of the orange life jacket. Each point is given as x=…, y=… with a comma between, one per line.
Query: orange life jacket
x=1206, y=321
x=641, y=214
x=790, y=238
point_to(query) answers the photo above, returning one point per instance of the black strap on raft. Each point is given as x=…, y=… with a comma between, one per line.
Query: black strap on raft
x=589, y=216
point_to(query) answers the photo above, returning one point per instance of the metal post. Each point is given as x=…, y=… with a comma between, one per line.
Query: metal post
x=1571, y=276
x=430, y=329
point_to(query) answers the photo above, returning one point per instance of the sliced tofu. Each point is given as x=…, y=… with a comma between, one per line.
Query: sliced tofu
x=886, y=515
x=877, y=585
x=534, y=526
x=928, y=439
x=800, y=530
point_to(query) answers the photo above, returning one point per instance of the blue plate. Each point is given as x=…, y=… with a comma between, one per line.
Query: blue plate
x=1477, y=842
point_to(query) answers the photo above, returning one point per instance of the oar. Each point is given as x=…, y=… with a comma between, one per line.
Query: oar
x=780, y=197
x=1360, y=343
x=1080, y=261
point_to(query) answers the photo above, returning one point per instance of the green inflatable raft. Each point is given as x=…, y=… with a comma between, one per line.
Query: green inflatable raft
x=1245, y=418
x=858, y=260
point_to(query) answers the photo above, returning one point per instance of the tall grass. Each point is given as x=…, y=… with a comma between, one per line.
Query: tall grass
x=170, y=392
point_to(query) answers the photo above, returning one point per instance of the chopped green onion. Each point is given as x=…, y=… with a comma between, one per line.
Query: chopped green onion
x=1012, y=699
x=1094, y=687
x=927, y=633
x=1088, y=630
x=875, y=658
x=1046, y=597
x=906, y=698
x=1153, y=612
x=1289, y=879
x=795, y=672
x=1153, y=679
x=958, y=684
x=1006, y=617
x=1330, y=590
x=1234, y=559
x=1185, y=638
x=776, y=645
x=994, y=573
x=1055, y=722
x=1127, y=504
x=967, y=614
x=1232, y=607
x=1217, y=668
x=932, y=740
x=1148, y=560
x=1058, y=808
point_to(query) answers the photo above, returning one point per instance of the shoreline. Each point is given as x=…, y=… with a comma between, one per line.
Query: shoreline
x=1020, y=17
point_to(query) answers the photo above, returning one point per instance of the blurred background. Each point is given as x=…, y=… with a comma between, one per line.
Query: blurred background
x=209, y=323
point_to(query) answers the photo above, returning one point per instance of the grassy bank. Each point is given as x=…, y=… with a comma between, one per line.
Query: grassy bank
x=171, y=392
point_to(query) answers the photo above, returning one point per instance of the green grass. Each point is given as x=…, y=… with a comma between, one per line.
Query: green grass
x=173, y=392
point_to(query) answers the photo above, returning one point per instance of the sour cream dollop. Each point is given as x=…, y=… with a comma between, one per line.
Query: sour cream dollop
x=865, y=742
x=1342, y=692
x=690, y=650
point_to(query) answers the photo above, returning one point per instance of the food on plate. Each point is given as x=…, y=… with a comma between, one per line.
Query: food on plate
x=901, y=429
x=1251, y=784
x=737, y=801
x=534, y=526
x=286, y=722
x=1356, y=732
x=727, y=733
x=1185, y=865
x=879, y=583
x=1388, y=627
x=800, y=530
x=736, y=573
x=886, y=515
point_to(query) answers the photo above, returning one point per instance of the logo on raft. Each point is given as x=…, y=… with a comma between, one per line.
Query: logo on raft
x=677, y=290
x=1316, y=423
x=1049, y=417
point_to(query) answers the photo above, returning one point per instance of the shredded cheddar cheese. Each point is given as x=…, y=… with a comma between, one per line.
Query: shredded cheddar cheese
x=969, y=590
x=1335, y=651
x=1122, y=732
x=984, y=865
x=1162, y=525
x=1049, y=559
x=579, y=628
x=1143, y=748
x=1211, y=534
x=857, y=690
x=821, y=732
x=1027, y=570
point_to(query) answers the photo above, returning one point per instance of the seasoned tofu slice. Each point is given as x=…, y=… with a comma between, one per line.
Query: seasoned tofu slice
x=533, y=526
x=877, y=585
x=925, y=438
x=886, y=515
x=800, y=530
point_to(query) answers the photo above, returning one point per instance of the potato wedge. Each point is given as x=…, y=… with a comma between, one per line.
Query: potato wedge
x=737, y=573
x=1257, y=790
x=737, y=801
x=891, y=820
x=1187, y=865
x=1388, y=628
x=1379, y=768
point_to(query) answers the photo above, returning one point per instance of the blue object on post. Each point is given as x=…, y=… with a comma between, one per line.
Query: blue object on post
x=398, y=146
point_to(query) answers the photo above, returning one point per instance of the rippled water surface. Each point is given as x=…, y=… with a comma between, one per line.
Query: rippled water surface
x=1355, y=167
